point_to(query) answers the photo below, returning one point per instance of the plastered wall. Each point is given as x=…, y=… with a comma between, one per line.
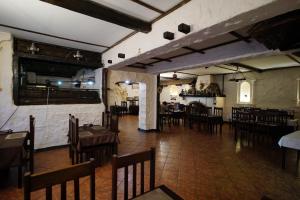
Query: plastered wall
x=51, y=120
x=147, y=95
x=272, y=89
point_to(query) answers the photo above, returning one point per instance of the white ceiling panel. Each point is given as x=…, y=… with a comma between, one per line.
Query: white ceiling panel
x=163, y=5
x=130, y=8
x=46, y=18
x=268, y=62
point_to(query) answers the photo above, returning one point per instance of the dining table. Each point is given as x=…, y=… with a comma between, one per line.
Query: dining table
x=99, y=141
x=290, y=141
x=13, y=151
x=160, y=193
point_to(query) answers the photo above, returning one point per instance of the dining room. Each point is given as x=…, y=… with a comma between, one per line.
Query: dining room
x=143, y=99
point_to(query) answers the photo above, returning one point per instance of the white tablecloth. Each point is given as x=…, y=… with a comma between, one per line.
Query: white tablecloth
x=291, y=140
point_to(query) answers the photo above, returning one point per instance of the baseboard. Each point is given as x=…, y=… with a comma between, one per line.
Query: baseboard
x=51, y=148
x=147, y=131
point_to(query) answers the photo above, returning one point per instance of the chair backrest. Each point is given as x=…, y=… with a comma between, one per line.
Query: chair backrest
x=133, y=159
x=114, y=123
x=31, y=142
x=124, y=104
x=105, y=119
x=70, y=128
x=218, y=112
x=33, y=182
x=115, y=109
x=74, y=131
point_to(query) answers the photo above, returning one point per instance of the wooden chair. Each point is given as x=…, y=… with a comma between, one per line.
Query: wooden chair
x=124, y=108
x=74, y=137
x=33, y=182
x=31, y=143
x=69, y=136
x=114, y=123
x=28, y=159
x=105, y=119
x=133, y=159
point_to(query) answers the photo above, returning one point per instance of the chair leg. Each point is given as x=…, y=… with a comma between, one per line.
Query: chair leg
x=20, y=176
x=76, y=157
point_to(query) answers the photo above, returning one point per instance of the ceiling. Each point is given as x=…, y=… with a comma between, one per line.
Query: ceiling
x=32, y=19
x=262, y=63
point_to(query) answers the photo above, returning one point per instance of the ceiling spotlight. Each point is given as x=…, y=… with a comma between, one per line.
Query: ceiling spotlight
x=78, y=55
x=168, y=35
x=33, y=49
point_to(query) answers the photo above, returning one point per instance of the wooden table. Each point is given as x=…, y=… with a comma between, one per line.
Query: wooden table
x=12, y=151
x=160, y=193
x=95, y=139
x=290, y=141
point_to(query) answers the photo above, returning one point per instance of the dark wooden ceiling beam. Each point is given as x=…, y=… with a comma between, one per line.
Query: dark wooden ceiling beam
x=138, y=67
x=53, y=36
x=193, y=50
x=148, y=6
x=251, y=68
x=161, y=59
x=144, y=64
x=93, y=9
x=239, y=36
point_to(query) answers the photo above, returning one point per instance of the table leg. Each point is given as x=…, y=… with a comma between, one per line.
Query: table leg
x=20, y=176
x=283, y=157
x=297, y=164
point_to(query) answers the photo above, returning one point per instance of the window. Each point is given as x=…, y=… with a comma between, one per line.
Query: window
x=245, y=92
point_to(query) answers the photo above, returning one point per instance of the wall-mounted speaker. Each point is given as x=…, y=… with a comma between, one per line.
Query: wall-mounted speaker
x=109, y=61
x=184, y=28
x=168, y=35
x=121, y=55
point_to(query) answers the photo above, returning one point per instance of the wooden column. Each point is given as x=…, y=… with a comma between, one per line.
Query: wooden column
x=104, y=87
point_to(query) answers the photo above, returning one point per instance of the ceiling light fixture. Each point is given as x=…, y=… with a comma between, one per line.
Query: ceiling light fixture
x=78, y=55
x=33, y=49
x=235, y=77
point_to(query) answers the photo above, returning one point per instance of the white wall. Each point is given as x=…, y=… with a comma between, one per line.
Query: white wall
x=272, y=89
x=147, y=95
x=132, y=92
x=52, y=120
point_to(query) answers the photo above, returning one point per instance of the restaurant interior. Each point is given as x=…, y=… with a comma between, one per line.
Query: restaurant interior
x=145, y=99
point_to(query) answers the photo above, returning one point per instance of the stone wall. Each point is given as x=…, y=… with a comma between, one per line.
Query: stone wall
x=272, y=89
x=147, y=95
x=51, y=120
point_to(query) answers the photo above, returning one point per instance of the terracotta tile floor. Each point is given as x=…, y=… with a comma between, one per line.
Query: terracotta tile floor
x=194, y=164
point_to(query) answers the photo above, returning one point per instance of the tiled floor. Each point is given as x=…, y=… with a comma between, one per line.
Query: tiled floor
x=194, y=164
